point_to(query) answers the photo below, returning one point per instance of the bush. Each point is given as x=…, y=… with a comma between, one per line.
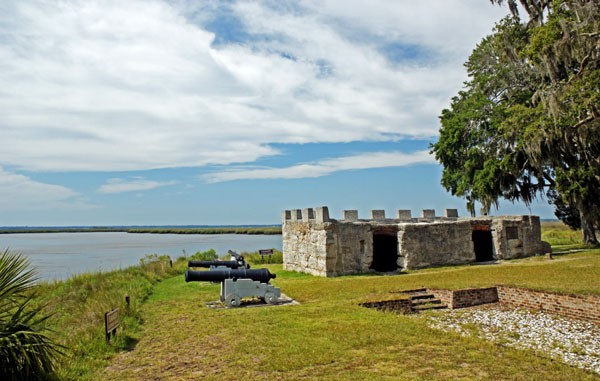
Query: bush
x=26, y=353
x=208, y=255
x=255, y=258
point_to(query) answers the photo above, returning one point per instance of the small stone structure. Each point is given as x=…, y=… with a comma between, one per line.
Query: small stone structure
x=316, y=244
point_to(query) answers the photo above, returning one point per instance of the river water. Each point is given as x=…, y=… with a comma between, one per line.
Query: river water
x=60, y=255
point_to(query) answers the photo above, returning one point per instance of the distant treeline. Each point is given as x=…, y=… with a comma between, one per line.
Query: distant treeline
x=266, y=230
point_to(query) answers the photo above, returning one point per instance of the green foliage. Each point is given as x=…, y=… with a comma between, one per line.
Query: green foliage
x=26, y=352
x=208, y=255
x=78, y=306
x=528, y=121
x=559, y=235
x=256, y=259
x=328, y=336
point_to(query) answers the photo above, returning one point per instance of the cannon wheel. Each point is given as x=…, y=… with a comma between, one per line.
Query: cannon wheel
x=270, y=298
x=233, y=300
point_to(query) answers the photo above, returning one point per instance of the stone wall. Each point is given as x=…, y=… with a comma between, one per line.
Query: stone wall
x=319, y=245
x=518, y=237
x=308, y=247
x=353, y=248
x=435, y=244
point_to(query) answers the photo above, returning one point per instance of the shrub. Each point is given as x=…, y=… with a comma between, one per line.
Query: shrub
x=208, y=255
x=26, y=353
x=256, y=259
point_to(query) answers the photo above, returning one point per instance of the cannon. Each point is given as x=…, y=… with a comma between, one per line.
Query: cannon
x=239, y=283
x=259, y=275
x=214, y=264
x=236, y=261
x=239, y=258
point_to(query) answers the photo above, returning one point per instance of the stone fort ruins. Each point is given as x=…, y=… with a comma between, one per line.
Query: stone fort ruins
x=316, y=244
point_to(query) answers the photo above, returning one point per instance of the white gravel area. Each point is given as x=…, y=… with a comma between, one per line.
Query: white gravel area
x=573, y=342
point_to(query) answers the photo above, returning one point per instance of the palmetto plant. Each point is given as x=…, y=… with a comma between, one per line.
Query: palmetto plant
x=26, y=353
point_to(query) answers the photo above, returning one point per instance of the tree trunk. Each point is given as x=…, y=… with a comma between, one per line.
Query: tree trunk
x=587, y=229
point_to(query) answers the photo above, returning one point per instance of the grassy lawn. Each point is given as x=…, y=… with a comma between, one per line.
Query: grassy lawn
x=329, y=337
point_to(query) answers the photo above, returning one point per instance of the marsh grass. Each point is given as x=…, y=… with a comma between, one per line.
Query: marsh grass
x=330, y=337
x=559, y=235
x=266, y=230
x=254, y=258
x=169, y=333
x=78, y=305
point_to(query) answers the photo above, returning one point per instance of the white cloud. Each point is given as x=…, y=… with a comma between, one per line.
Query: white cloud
x=325, y=167
x=19, y=192
x=109, y=85
x=117, y=185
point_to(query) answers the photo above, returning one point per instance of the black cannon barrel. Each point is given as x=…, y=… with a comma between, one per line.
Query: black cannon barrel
x=207, y=264
x=259, y=275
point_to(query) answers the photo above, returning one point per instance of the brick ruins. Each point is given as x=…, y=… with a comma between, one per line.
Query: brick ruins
x=316, y=244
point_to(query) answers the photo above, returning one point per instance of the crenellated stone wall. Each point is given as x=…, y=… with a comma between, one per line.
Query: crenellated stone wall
x=305, y=247
x=317, y=244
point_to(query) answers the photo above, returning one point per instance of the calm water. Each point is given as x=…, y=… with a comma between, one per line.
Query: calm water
x=60, y=255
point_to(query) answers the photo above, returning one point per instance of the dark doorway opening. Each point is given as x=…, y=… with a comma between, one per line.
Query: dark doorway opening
x=385, y=252
x=483, y=245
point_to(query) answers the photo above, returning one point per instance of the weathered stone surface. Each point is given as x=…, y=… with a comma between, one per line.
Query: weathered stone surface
x=404, y=214
x=305, y=247
x=428, y=213
x=316, y=244
x=308, y=214
x=350, y=215
x=378, y=215
x=425, y=245
x=451, y=213
x=322, y=214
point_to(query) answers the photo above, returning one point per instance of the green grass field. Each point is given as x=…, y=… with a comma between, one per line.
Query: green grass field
x=169, y=333
x=329, y=336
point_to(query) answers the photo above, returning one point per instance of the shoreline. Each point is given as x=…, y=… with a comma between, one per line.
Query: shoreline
x=261, y=230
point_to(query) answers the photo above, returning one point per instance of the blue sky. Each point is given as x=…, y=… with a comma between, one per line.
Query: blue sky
x=227, y=112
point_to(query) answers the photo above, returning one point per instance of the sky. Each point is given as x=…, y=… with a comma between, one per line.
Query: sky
x=175, y=112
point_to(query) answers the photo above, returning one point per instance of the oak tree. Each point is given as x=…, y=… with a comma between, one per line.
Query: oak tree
x=527, y=122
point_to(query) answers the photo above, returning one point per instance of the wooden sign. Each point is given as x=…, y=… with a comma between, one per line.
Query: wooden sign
x=266, y=252
x=111, y=322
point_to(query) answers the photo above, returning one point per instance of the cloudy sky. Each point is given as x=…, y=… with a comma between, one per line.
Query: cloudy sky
x=226, y=112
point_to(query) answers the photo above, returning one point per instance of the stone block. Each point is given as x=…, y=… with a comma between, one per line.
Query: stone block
x=451, y=213
x=350, y=215
x=378, y=215
x=296, y=215
x=428, y=213
x=308, y=214
x=322, y=214
x=286, y=215
x=404, y=214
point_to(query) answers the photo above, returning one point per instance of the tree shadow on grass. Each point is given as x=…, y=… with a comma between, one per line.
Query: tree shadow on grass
x=129, y=343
